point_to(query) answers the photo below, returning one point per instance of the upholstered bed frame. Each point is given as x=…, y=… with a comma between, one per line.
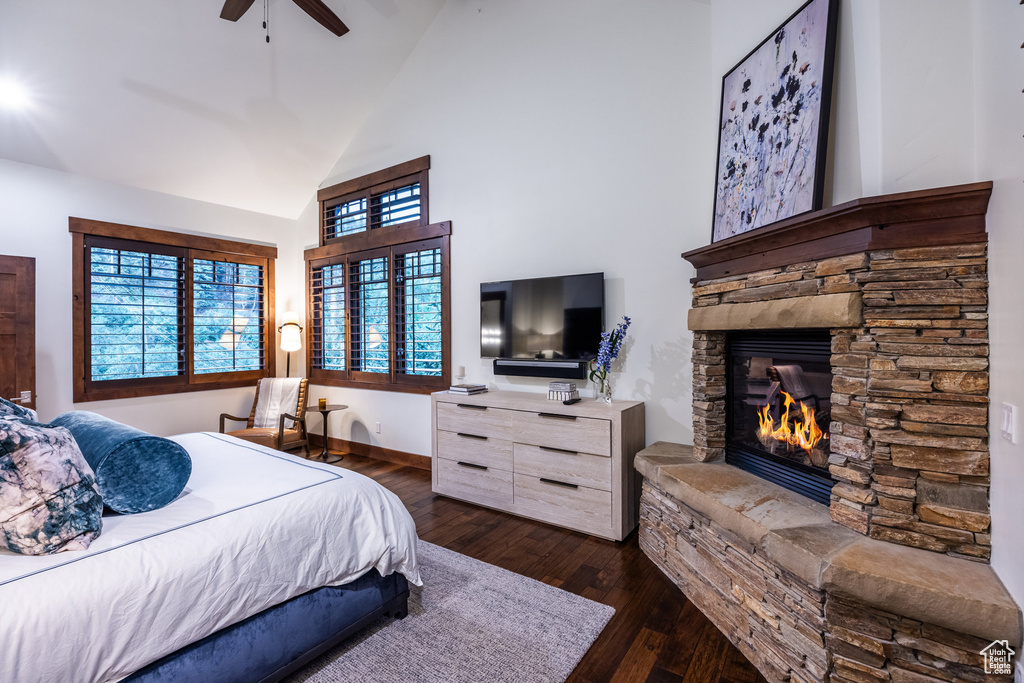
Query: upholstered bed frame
x=276, y=642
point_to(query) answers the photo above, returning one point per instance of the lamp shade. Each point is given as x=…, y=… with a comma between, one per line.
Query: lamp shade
x=291, y=332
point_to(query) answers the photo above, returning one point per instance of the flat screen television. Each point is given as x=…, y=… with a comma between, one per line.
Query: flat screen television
x=542, y=327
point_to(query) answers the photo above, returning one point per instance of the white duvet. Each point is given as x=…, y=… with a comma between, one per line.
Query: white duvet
x=253, y=528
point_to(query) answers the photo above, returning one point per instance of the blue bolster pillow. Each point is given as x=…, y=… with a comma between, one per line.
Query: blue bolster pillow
x=135, y=471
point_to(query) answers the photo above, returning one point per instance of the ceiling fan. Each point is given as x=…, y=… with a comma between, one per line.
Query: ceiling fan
x=234, y=9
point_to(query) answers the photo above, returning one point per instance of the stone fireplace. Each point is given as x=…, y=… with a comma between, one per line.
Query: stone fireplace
x=885, y=578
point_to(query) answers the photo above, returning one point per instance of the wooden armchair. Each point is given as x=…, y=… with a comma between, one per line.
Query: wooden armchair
x=266, y=422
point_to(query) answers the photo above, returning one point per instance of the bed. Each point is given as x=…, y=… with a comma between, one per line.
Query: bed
x=265, y=560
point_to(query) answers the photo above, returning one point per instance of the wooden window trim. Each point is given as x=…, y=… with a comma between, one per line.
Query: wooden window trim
x=390, y=237
x=365, y=187
x=365, y=182
x=162, y=241
x=430, y=236
x=119, y=231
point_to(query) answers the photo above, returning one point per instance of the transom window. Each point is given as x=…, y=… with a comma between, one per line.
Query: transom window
x=156, y=313
x=396, y=196
x=378, y=295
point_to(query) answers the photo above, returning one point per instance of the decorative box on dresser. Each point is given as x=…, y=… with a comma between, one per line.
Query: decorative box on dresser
x=568, y=465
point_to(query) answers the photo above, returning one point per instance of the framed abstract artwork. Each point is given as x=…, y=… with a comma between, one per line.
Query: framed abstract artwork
x=773, y=128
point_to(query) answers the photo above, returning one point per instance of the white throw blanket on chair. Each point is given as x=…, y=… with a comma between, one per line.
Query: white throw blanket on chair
x=277, y=395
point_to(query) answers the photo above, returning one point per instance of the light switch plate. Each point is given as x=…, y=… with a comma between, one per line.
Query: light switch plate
x=1009, y=428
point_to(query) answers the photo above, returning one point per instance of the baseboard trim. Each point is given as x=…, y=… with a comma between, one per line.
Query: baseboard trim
x=367, y=450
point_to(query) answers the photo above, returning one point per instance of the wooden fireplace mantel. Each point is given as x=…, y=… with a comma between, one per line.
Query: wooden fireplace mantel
x=935, y=217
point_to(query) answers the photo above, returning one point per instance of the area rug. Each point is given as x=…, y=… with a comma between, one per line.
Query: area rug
x=470, y=622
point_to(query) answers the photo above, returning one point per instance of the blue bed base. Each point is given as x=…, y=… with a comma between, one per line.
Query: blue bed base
x=270, y=645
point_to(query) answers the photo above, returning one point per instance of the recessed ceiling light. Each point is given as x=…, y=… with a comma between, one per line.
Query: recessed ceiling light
x=13, y=95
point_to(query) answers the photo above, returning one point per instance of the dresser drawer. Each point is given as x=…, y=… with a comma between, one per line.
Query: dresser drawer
x=479, y=450
x=477, y=484
x=593, y=471
x=578, y=507
x=478, y=420
x=560, y=430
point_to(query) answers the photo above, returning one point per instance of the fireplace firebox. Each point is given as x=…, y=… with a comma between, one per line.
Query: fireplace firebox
x=778, y=403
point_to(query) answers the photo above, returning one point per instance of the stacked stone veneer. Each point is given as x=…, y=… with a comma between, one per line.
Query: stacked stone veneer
x=909, y=436
x=774, y=618
x=788, y=629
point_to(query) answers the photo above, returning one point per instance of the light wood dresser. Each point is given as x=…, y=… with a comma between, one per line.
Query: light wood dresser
x=571, y=466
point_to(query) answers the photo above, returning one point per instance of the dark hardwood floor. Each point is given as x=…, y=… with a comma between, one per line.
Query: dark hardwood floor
x=656, y=635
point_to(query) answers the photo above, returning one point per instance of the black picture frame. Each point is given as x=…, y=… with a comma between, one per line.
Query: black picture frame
x=774, y=122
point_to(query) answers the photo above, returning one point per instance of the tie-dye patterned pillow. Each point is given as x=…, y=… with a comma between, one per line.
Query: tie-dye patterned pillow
x=49, y=500
x=8, y=408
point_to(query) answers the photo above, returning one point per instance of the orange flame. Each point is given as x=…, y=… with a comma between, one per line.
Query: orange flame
x=804, y=432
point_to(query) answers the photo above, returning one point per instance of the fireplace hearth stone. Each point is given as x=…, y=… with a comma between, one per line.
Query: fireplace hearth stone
x=806, y=599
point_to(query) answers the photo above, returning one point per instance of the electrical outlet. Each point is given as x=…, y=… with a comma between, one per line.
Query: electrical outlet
x=1009, y=428
x=378, y=427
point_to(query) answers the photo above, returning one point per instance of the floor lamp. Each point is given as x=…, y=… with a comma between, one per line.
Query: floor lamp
x=291, y=338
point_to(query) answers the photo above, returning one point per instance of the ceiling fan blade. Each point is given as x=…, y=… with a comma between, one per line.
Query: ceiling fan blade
x=323, y=14
x=234, y=9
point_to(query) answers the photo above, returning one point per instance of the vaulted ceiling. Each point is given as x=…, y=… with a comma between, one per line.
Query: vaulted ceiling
x=167, y=96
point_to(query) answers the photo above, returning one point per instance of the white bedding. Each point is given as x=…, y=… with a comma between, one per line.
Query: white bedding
x=253, y=528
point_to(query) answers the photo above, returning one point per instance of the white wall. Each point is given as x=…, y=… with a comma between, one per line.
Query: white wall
x=34, y=222
x=565, y=137
x=999, y=113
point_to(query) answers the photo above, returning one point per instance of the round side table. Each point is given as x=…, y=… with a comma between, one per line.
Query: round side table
x=325, y=413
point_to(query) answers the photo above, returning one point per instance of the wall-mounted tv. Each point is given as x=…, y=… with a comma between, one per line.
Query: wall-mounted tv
x=542, y=327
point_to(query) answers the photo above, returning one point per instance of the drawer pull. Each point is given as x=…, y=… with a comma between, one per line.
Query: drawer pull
x=470, y=405
x=471, y=436
x=556, y=415
x=556, y=483
x=558, y=450
x=473, y=466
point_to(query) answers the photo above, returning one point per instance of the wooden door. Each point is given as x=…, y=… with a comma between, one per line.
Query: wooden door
x=18, y=330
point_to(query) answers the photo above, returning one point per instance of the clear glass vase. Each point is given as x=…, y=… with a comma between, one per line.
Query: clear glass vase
x=606, y=390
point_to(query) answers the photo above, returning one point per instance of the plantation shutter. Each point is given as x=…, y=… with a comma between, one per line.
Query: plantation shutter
x=344, y=218
x=158, y=312
x=395, y=197
x=135, y=300
x=229, y=328
x=418, y=312
x=378, y=287
x=327, y=336
x=369, y=339
x=395, y=206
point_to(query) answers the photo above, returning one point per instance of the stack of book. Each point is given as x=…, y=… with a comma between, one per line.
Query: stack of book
x=467, y=389
x=562, y=391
